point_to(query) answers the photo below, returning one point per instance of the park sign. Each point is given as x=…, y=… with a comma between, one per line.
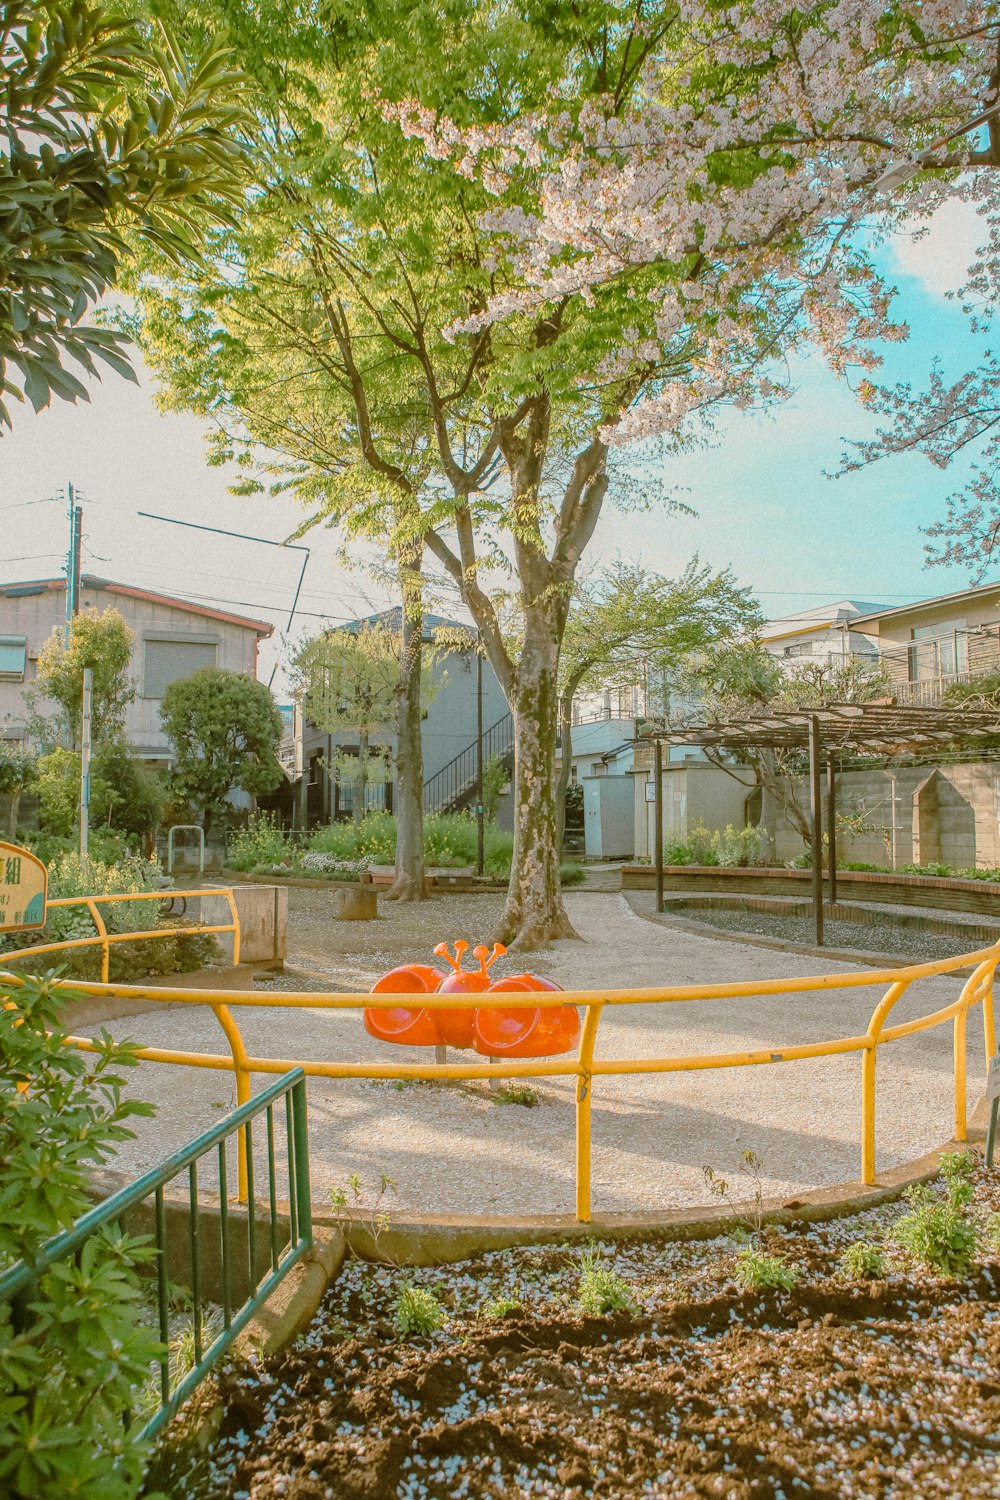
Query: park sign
x=23, y=882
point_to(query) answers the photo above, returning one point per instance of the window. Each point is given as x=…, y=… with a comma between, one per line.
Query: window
x=940, y=650
x=168, y=659
x=13, y=654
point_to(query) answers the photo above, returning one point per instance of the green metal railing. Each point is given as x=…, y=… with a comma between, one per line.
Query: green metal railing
x=233, y=1267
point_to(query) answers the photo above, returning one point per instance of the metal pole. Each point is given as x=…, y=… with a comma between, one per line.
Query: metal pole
x=831, y=826
x=480, y=831
x=70, y=561
x=77, y=557
x=88, y=686
x=658, y=821
x=816, y=808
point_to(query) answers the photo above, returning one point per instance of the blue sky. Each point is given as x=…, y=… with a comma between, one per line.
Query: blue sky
x=765, y=505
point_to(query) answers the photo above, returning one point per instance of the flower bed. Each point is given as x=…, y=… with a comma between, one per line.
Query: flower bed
x=828, y=1359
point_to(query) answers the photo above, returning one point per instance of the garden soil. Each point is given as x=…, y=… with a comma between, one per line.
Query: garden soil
x=888, y=1388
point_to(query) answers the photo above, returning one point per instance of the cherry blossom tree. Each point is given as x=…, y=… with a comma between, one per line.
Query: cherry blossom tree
x=492, y=247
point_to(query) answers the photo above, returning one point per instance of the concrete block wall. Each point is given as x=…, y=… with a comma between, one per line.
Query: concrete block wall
x=947, y=814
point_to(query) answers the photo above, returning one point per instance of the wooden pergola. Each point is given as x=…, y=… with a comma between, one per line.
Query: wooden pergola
x=878, y=728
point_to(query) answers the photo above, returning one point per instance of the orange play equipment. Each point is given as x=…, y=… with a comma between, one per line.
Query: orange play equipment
x=494, y=1031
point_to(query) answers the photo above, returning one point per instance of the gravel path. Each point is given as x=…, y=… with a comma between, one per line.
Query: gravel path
x=455, y=1149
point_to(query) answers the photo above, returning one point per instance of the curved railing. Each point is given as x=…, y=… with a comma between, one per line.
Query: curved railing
x=103, y=938
x=587, y=1066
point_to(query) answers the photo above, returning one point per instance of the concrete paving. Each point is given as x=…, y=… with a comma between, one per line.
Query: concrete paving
x=454, y=1149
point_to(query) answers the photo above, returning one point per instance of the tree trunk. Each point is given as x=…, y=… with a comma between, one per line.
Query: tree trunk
x=15, y=805
x=410, y=882
x=361, y=782
x=565, y=765
x=534, y=913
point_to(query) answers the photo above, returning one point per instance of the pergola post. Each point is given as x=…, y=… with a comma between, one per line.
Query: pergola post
x=831, y=826
x=816, y=809
x=658, y=821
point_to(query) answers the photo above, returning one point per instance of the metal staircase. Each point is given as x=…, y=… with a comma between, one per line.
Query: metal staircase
x=454, y=786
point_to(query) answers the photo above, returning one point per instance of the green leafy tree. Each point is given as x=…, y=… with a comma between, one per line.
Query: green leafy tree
x=76, y=1348
x=103, y=642
x=125, y=793
x=109, y=131
x=632, y=626
x=225, y=730
x=18, y=773
x=349, y=681
x=400, y=331
x=744, y=681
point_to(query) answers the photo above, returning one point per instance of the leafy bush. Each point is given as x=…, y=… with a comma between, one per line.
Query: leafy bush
x=571, y=873
x=863, y=1261
x=991, y=1233
x=261, y=842
x=602, y=1290
x=71, y=875
x=374, y=837
x=730, y=846
x=753, y=1269
x=71, y=1358
x=416, y=1310
x=939, y=1232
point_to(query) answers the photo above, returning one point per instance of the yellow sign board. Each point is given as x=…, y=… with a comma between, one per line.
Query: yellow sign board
x=23, y=884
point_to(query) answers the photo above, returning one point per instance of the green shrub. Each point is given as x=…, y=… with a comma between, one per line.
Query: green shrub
x=939, y=1232
x=261, y=842
x=863, y=1261
x=374, y=837
x=571, y=873
x=72, y=1359
x=602, y=1290
x=495, y=778
x=516, y=1093
x=740, y=846
x=73, y=875
x=753, y=1269
x=503, y=1307
x=416, y=1310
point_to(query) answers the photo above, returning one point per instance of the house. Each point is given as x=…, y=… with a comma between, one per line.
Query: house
x=825, y=634
x=173, y=638
x=449, y=738
x=929, y=645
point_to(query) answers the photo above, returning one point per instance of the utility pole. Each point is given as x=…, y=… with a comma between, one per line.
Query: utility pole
x=88, y=688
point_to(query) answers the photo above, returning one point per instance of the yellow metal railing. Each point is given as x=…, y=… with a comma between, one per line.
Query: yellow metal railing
x=104, y=938
x=587, y=1066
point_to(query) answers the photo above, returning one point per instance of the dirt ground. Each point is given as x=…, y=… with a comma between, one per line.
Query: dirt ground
x=842, y=1389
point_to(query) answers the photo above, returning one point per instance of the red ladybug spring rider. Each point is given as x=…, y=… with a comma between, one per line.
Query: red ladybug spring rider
x=494, y=1031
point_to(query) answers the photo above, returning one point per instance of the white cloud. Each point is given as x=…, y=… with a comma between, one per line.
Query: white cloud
x=940, y=259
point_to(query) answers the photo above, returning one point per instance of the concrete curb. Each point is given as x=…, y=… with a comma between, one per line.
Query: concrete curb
x=292, y=1306
x=413, y=1240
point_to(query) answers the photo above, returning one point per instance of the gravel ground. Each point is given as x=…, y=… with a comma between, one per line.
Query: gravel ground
x=835, y=1388
x=456, y=1149
x=910, y=943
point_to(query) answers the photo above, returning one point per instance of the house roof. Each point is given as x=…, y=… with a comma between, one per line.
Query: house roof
x=107, y=585
x=392, y=619
x=981, y=591
x=821, y=617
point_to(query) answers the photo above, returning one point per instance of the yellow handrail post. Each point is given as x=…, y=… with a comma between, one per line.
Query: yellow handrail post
x=234, y=913
x=958, y=1051
x=868, y=1060
x=989, y=1032
x=584, y=1086
x=242, y=1071
x=102, y=932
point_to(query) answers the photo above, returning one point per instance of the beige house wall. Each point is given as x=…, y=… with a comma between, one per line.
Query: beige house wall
x=692, y=795
x=35, y=615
